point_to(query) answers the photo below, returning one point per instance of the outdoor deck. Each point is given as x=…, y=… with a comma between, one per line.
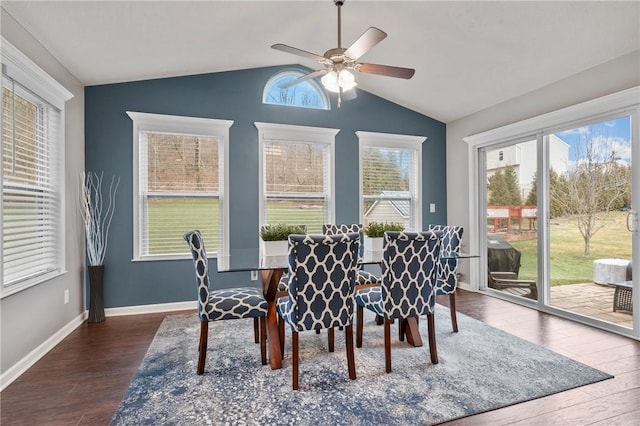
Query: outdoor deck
x=589, y=299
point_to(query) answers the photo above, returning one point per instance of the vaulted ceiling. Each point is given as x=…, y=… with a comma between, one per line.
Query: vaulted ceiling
x=468, y=55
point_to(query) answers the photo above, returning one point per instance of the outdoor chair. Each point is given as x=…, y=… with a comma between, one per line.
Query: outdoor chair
x=508, y=280
x=322, y=275
x=408, y=289
x=224, y=304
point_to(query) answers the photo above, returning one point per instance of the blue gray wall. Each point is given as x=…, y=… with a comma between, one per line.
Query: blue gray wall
x=237, y=96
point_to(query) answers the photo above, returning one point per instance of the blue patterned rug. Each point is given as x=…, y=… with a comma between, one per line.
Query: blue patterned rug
x=481, y=369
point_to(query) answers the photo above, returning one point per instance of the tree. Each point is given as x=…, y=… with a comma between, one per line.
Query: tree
x=594, y=186
x=556, y=184
x=504, y=189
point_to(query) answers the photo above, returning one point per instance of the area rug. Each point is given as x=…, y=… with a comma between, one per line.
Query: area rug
x=480, y=369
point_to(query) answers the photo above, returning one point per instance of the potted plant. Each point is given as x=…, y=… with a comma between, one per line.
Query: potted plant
x=374, y=232
x=97, y=212
x=273, y=238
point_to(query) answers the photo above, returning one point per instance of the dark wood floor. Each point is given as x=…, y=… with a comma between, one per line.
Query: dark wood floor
x=82, y=380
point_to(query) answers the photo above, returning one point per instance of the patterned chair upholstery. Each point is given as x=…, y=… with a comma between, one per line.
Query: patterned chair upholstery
x=322, y=271
x=224, y=304
x=448, y=278
x=363, y=277
x=409, y=276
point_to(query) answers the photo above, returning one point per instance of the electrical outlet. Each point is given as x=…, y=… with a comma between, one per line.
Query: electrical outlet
x=254, y=275
x=432, y=208
x=66, y=296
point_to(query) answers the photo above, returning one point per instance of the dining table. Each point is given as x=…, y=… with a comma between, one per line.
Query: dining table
x=272, y=267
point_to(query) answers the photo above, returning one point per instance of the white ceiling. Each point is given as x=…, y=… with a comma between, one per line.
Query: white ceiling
x=468, y=55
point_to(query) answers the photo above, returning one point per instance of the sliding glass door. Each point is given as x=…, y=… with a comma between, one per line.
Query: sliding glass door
x=590, y=246
x=556, y=210
x=511, y=221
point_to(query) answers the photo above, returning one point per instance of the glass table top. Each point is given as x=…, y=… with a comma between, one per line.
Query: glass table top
x=251, y=259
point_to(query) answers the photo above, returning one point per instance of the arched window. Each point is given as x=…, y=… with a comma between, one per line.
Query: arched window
x=307, y=94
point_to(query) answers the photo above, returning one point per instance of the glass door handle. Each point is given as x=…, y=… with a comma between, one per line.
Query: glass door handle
x=632, y=221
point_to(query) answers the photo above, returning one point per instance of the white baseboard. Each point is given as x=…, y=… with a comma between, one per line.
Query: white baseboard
x=151, y=309
x=25, y=363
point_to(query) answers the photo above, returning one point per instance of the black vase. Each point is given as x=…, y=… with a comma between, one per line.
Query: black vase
x=96, y=297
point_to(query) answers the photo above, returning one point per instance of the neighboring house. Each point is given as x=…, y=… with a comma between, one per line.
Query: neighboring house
x=519, y=156
x=389, y=208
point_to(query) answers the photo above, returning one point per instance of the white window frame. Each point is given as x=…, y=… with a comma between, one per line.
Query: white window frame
x=301, y=134
x=23, y=70
x=326, y=103
x=395, y=141
x=148, y=122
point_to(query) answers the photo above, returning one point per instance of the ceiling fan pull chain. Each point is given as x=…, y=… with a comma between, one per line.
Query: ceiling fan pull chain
x=339, y=4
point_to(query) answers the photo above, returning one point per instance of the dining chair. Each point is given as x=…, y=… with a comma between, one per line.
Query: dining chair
x=448, y=268
x=409, y=276
x=223, y=304
x=322, y=274
x=362, y=277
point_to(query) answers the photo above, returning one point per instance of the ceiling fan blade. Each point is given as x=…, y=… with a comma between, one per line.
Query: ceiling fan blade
x=299, y=52
x=367, y=40
x=386, y=70
x=303, y=78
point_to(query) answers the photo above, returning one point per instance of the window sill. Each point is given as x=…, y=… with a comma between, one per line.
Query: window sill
x=32, y=282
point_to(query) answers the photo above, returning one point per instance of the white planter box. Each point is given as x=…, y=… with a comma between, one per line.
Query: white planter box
x=373, y=244
x=274, y=248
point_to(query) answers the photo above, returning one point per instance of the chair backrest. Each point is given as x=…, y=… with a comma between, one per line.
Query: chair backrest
x=199, y=255
x=322, y=274
x=409, y=272
x=451, y=242
x=345, y=228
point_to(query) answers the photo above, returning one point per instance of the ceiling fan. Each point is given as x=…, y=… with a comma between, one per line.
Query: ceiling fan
x=338, y=62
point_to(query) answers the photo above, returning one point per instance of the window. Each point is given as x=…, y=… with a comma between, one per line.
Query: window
x=306, y=94
x=390, y=176
x=179, y=183
x=33, y=231
x=297, y=175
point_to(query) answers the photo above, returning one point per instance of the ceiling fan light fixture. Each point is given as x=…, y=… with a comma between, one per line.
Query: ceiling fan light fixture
x=335, y=81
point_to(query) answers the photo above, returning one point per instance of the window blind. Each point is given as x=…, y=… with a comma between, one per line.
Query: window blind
x=296, y=183
x=180, y=178
x=30, y=187
x=389, y=185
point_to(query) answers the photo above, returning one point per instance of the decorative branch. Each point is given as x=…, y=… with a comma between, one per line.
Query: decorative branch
x=96, y=220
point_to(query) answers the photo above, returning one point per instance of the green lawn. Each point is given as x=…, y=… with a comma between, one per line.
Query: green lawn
x=568, y=264
x=170, y=218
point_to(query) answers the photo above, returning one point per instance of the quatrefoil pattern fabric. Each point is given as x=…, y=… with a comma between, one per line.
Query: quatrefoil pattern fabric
x=409, y=276
x=224, y=304
x=322, y=270
x=362, y=277
x=451, y=240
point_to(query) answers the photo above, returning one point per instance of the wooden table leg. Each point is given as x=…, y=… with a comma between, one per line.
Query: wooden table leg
x=270, y=279
x=412, y=332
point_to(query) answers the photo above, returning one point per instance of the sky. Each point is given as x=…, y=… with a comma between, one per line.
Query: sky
x=612, y=135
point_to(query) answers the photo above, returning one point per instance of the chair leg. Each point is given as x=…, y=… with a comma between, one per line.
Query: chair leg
x=294, y=349
x=351, y=363
x=387, y=345
x=281, y=334
x=431, y=325
x=256, y=334
x=202, y=346
x=379, y=320
x=330, y=337
x=263, y=339
x=452, y=309
x=402, y=329
x=359, y=324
